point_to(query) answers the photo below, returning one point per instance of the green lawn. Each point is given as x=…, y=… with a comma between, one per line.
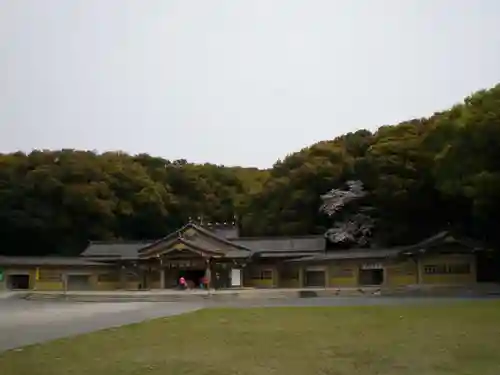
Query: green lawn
x=463, y=338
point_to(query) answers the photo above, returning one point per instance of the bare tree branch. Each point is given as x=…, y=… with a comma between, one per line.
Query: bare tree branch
x=357, y=227
x=336, y=199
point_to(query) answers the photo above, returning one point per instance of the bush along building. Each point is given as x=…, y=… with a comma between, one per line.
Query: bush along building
x=227, y=260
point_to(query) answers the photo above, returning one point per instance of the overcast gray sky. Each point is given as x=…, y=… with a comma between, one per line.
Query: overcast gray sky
x=235, y=82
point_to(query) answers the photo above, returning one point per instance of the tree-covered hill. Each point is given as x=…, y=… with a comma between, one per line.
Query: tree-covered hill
x=421, y=176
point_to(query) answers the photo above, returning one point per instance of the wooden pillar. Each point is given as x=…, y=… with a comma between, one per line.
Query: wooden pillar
x=142, y=275
x=37, y=277
x=473, y=268
x=301, y=277
x=65, y=283
x=327, y=275
x=418, y=262
x=162, y=278
x=122, y=276
x=385, y=273
x=275, y=275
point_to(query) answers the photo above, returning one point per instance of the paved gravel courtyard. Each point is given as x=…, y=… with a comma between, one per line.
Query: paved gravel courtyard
x=28, y=322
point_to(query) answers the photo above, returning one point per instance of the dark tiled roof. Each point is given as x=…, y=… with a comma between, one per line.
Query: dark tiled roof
x=305, y=246
x=199, y=229
x=237, y=253
x=283, y=244
x=285, y=254
x=117, y=250
x=227, y=233
x=211, y=234
x=203, y=244
x=47, y=261
x=434, y=243
x=437, y=241
x=351, y=254
x=199, y=244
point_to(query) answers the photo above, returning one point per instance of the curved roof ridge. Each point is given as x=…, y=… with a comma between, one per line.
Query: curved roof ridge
x=198, y=228
x=213, y=235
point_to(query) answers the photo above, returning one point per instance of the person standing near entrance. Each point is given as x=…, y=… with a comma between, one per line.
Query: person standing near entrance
x=182, y=282
x=204, y=283
x=207, y=277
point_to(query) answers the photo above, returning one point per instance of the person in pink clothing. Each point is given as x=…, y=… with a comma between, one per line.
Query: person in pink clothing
x=182, y=282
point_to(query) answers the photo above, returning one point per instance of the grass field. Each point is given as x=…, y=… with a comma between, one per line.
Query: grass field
x=463, y=338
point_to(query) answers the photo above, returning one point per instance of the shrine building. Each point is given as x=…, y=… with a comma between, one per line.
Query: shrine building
x=218, y=254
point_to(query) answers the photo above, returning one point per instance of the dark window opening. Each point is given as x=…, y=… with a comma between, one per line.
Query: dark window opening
x=19, y=281
x=289, y=274
x=442, y=269
x=111, y=277
x=371, y=277
x=264, y=274
x=315, y=278
x=78, y=282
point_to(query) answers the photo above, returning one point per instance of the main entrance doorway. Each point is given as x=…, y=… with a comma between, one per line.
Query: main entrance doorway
x=191, y=268
x=193, y=277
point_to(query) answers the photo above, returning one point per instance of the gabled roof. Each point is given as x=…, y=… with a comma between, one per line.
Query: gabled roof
x=209, y=244
x=117, y=250
x=238, y=247
x=315, y=243
x=438, y=241
x=203, y=247
x=172, y=244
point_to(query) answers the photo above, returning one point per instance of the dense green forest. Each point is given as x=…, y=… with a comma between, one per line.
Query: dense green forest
x=422, y=176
